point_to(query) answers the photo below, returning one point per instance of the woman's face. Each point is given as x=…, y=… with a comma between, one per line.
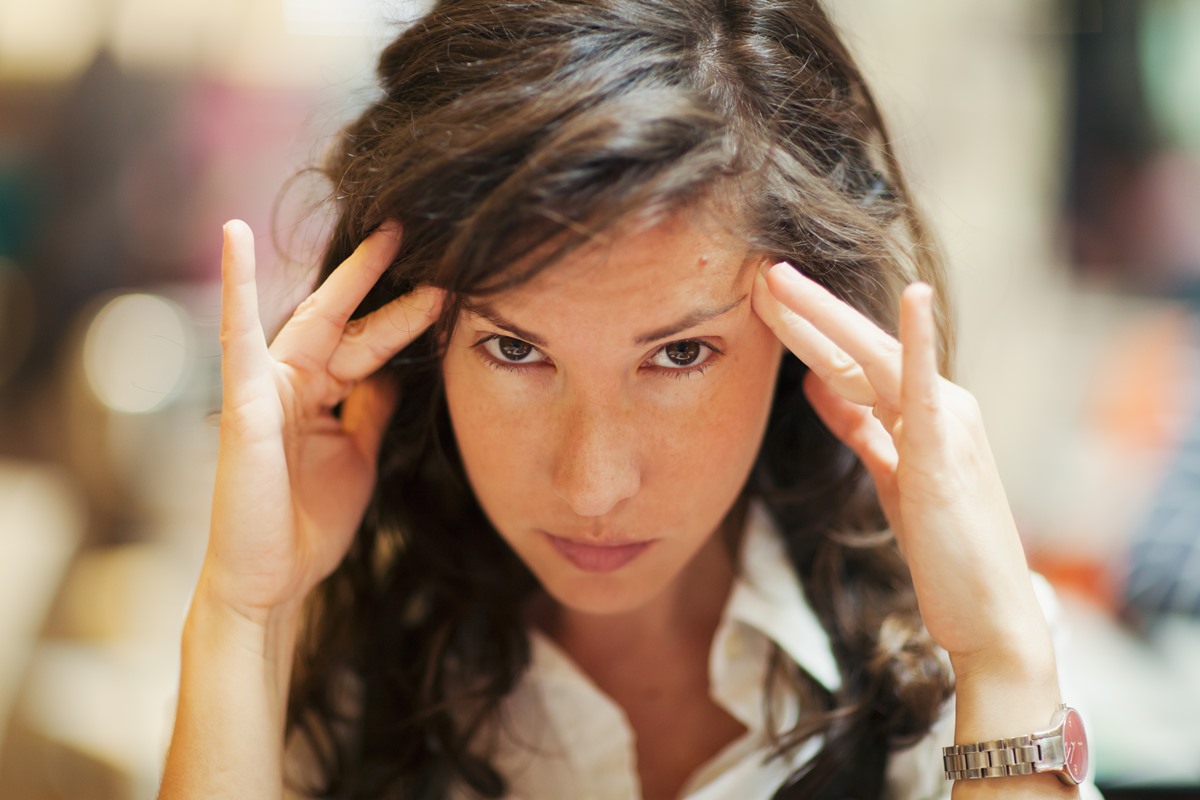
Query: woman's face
x=609, y=410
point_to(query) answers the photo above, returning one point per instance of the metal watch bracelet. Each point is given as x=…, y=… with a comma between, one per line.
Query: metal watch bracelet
x=998, y=758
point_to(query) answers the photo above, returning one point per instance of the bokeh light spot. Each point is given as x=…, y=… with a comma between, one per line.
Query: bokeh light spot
x=136, y=353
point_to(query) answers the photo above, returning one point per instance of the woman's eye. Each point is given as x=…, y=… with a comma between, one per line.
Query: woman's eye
x=508, y=350
x=682, y=355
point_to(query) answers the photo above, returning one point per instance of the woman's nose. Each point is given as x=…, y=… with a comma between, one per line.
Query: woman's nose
x=597, y=463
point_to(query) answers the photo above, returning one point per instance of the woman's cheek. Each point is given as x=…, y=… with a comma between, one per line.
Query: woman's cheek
x=497, y=417
x=737, y=411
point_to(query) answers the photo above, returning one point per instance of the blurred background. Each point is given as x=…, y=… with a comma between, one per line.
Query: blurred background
x=1055, y=145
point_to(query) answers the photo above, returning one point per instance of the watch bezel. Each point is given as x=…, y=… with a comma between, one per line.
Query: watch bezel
x=1066, y=723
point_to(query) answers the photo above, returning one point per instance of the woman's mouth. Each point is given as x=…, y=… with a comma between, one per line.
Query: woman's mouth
x=598, y=557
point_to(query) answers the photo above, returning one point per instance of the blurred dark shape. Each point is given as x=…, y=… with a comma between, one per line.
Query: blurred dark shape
x=16, y=201
x=1164, y=566
x=106, y=171
x=1133, y=183
x=1133, y=214
x=16, y=317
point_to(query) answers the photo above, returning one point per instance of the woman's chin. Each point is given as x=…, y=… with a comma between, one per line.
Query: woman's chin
x=601, y=595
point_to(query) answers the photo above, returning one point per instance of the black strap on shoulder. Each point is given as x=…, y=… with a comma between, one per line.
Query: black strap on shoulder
x=859, y=778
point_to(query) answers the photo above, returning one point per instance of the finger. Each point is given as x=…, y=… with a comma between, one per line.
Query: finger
x=314, y=330
x=828, y=361
x=876, y=352
x=366, y=413
x=921, y=382
x=855, y=426
x=369, y=342
x=245, y=360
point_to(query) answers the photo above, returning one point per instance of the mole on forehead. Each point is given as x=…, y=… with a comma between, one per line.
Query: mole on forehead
x=713, y=261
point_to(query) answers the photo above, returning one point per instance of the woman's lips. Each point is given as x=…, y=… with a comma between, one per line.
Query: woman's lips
x=597, y=557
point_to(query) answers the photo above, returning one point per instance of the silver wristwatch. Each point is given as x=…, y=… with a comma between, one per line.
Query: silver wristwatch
x=1061, y=750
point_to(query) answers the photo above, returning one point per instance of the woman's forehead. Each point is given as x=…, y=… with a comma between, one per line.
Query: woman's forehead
x=628, y=261
x=643, y=284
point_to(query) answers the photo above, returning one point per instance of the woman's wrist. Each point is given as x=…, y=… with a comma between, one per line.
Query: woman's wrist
x=264, y=638
x=1004, y=694
x=229, y=727
x=1009, y=692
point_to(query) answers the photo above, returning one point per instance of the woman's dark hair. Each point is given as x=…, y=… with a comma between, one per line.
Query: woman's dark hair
x=508, y=133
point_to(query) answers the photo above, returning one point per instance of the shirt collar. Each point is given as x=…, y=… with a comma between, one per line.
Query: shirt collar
x=768, y=597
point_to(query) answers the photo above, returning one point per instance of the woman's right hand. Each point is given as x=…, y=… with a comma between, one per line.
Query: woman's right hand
x=293, y=477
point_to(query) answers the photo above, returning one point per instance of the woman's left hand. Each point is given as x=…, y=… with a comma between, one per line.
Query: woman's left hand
x=922, y=441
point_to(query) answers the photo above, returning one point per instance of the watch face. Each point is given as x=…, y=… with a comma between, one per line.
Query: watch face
x=1075, y=746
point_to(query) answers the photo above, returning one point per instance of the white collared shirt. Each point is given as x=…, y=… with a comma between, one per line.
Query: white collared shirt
x=559, y=736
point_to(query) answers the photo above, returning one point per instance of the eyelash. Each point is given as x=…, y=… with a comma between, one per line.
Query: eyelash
x=677, y=374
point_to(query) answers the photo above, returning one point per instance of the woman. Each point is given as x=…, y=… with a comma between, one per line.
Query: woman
x=571, y=477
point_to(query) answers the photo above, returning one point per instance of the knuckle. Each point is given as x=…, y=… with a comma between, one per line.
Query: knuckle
x=965, y=404
x=226, y=337
x=306, y=307
x=360, y=335
x=355, y=329
x=232, y=337
x=843, y=367
x=311, y=308
x=359, y=345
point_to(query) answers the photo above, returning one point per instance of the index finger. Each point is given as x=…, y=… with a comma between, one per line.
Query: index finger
x=871, y=349
x=369, y=342
x=312, y=334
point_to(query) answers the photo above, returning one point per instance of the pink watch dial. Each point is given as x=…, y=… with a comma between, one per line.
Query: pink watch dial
x=1075, y=746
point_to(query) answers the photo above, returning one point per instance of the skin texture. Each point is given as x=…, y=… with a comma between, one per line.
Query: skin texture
x=594, y=435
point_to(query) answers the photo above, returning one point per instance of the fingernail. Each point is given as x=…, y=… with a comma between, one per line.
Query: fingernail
x=921, y=290
x=231, y=224
x=787, y=273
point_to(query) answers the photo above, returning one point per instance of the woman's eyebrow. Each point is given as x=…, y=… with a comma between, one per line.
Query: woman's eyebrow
x=689, y=320
x=493, y=316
